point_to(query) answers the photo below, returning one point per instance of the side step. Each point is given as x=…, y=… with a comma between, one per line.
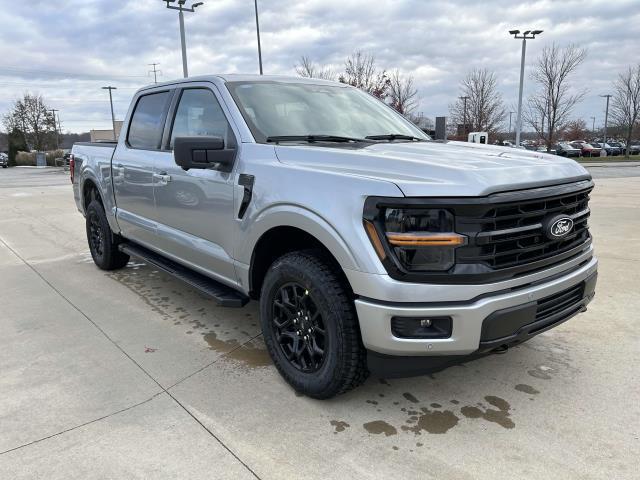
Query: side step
x=223, y=295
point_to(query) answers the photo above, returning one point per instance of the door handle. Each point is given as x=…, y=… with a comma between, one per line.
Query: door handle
x=162, y=178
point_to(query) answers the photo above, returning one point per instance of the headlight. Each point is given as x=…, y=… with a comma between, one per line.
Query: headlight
x=421, y=239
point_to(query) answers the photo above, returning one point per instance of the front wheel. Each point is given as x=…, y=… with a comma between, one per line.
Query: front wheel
x=310, y=326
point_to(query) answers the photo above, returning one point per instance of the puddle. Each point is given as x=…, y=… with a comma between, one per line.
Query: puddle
x=410, y=397
x=522, y=387
x=436, y=421
x=339, y=425
x=378, y=427
x=499, y=416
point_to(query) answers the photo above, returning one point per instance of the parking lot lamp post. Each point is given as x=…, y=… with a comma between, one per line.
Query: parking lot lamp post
x=181, y=9
x=593, y=124
x=464, y=116
x=526, y=35
x=55, y=127
x=113, y=118
x=606, y=117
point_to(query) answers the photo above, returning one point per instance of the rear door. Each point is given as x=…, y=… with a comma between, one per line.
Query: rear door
x=133, y=166
x=195, y=207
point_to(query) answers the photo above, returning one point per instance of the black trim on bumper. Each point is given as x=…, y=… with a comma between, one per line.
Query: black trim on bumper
x=504, y=328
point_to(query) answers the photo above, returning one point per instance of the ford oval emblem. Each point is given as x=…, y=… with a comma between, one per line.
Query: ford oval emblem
x=560, y=227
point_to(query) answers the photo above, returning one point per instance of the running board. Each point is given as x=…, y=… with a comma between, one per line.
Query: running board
x=223, y=295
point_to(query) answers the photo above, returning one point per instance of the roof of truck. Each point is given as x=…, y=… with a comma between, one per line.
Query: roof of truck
x=239, y=77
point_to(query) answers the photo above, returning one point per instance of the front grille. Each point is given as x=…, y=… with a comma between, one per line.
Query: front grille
x=566, y=301
x=506, y=235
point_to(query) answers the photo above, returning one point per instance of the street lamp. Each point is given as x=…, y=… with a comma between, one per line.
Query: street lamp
x=113, y=118
x=524, y=36
x=606, y=117
x=182, y=8
x=464, y=115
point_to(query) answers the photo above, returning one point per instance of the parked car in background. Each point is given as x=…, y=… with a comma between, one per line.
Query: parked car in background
x=634, y=147
x=611, y=149
x=618, y=147
x=567, y=150
x=4, y=160
x=543, y=148
x=587, y=149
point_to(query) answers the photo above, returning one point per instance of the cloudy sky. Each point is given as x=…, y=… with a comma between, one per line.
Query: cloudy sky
x=68, y=50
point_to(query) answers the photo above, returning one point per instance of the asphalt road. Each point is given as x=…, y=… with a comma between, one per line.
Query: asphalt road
x=131, y=374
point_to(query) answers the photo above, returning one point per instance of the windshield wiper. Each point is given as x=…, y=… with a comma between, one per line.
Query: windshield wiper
x=393, y=136
x=313, y=138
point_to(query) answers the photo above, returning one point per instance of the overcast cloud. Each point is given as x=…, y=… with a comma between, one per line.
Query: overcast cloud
x=67, y=50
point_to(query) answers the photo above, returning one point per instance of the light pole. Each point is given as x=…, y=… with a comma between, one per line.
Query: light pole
x=181, y=8
x=510, y=113
x=258, y=33
x=113, y=118
x=155, y=72
x=464, y=116
x=593, y=124
x=55, y=127
x=606, y=117
x=526, y=35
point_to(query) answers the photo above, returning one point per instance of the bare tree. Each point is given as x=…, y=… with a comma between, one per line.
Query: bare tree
x=549, y=109
x=576, y=130
x=484, y=108
x=307, y=68
x=625, y=107
x=360, y=71
x=31, y=116
x=403, y=96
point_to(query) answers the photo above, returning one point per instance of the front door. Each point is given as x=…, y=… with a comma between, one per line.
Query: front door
x=133, y=164
x=195, y=207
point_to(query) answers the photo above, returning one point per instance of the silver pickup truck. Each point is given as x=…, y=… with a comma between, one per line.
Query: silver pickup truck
x=370, y=247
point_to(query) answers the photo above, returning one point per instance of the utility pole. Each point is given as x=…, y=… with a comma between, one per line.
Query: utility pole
x=464, y=117
x=606, y=117
x=593, y=124
x=55, y=127
x=510, y=113
x=181, y=8
x=113, y=117
x=155, y=72
x=526, y=35
x=255, y=2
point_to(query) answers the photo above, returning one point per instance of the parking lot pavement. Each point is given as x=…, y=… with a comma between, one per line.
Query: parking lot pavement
x=131, y=374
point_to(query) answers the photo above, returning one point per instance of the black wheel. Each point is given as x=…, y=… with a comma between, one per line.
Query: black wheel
x=310, y=326
x=103, y=244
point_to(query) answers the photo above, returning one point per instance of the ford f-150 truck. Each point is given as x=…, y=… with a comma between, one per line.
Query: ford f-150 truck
x=370, y=247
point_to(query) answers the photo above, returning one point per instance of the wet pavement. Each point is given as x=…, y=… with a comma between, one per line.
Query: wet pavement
x=131, y=374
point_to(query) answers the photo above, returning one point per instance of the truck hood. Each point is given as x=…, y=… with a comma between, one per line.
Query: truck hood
x=439, y=169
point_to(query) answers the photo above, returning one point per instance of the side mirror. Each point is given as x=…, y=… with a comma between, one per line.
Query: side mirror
x=203, y=152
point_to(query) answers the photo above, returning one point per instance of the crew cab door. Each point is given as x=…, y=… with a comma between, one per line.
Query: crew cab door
x=133, y=166
x=195, y=206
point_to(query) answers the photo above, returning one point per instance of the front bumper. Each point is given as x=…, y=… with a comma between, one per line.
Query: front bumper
x=468, y=317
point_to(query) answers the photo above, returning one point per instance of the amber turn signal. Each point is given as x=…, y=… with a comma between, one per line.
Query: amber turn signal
x=426, y=239
x=375, y=239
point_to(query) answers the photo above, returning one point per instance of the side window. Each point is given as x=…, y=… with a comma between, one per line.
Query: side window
x=199, y=115
x=147, y=121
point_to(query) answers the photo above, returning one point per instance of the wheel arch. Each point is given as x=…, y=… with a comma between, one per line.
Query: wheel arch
x=282, y=239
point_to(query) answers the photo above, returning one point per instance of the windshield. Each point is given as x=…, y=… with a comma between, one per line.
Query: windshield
x=277, y=109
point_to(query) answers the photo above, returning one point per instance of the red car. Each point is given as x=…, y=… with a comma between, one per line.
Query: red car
x=587, y=150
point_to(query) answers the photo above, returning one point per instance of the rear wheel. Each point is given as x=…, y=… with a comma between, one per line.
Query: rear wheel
x=310, y=326
x=103, y=243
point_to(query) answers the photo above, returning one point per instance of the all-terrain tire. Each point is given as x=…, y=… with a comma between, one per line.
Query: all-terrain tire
x=103, y=243
x=343, y=364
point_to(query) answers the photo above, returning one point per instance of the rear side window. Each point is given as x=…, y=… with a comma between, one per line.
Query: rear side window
x=147, y=121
